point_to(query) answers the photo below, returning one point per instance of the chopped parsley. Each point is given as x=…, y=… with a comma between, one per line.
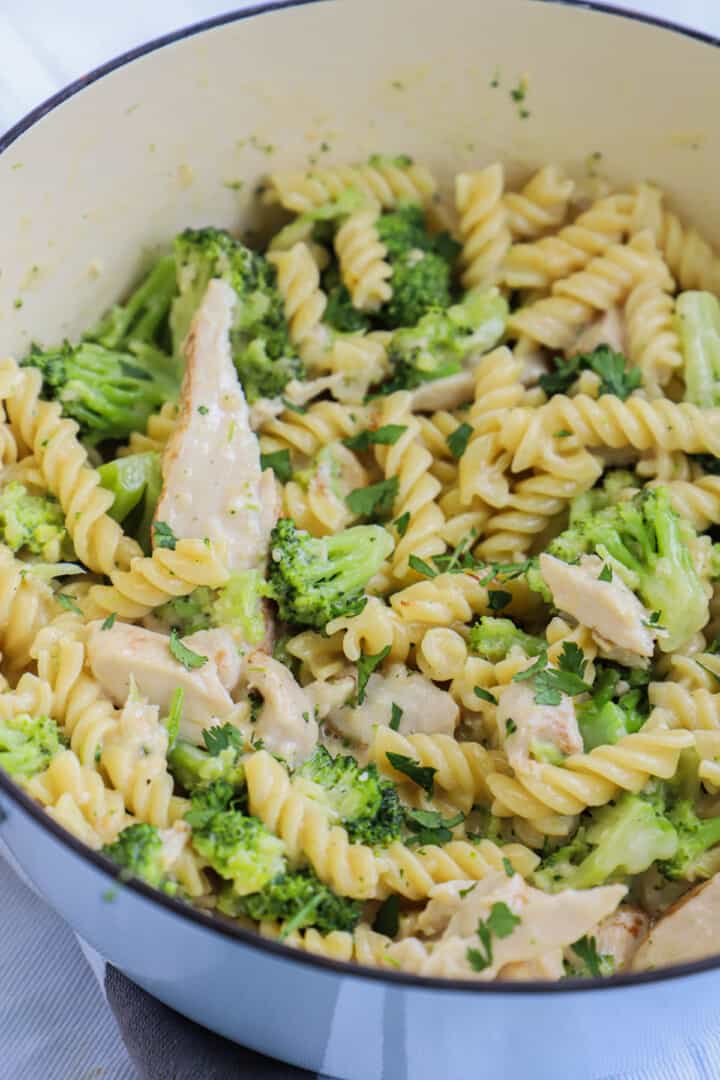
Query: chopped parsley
x=163, y=536
x=387, y=435
x=615, y=376
x=387, y=919
x=500, y=923
x=395, y=717
x=221, y=737
x=430, y=827
x=458, y=440
x=508, y=866
x=374, y=501
x=402, y=523
x=109, y=622
x=484, y=695
x=68, y=603
x=551, y=683
x=422, y=775
x=174, y=716
x=498, y=599
x=189, y=659
x=606, y=573
x=421, y=567
x=365, y=667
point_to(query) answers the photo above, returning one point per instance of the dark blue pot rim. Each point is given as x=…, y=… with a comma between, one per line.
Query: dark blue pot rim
x=186, y=911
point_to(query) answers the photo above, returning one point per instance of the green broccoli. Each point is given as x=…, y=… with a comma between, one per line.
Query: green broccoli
x=314, y=580
x=339, y=311
x=195, y=768
x=238, y=604
x=623, y=838
x=34, y=523
x=421, y=266
x=320, y=220
x=698, y=324
x=263, y=356
x=647, y=544
x=238, y=848
x=296, y=898
x=143, y=319
x=365, y=803
x=27, y=743
x=136, y=483
x=110, y=393
x=616, y=484
x=603, y=721
x=615, y=376
x=437, y=346
x=138, y=851
x=493, y=639
x=695, y=836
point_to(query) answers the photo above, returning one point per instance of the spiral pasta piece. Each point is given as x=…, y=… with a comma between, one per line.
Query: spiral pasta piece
x=78, y=702
x=689, y=256
x=441, y=653
x=409, y=462
x=482, y=226
x=653, y=343
x=321, y=656
x=589, y=779
x=608, y=421
x=363, y=266
x=303, y=826
x=695, y=501
x=461, y=767
x=98, y=540
x=65, y=784
x=386, y=181
x=539, y=264
x=322, y=423
x=541, y=205
x=298, y=280
x=442, y=600
x=555, y=320
x=337, y=945
x=679, y=707
x=26, y=604
x=151, y=581
x=412, y=872
x=360, y=360
x=375, y=628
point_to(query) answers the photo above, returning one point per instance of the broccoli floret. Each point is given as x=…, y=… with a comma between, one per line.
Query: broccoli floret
x=648, y=545
x=314, y=580
x=320, y=221
x=364, y=802
x=493, y=639
x=143, y=318
x=35, y=523
x=339, y=311
x=695, y=836
x=437, y=346
x=615, y=376
x=136, y=483
x=238, y=604
x=603, y=721
x=109, y=393
x=421, y=266
x=195, y=768
x=621, y=839
x=698, y=323
x=263, y=356
x=138, y=850
x=27, y=743
x=613, y=489
x=298, y=899
x=238, y=848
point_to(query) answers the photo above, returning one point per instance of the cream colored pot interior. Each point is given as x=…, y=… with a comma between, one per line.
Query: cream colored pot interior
x=162, y=142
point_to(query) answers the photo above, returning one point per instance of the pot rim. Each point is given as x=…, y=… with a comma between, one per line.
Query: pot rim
x=184, y=910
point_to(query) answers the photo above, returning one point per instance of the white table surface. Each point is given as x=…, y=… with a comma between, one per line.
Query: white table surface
x=49, y=999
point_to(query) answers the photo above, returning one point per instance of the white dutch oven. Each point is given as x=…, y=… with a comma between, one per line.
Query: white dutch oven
x=115, y=165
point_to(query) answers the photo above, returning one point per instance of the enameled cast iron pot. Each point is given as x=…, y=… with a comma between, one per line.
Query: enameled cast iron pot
x=98, y=178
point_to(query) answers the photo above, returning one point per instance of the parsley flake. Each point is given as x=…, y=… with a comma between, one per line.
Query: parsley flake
x=109, y=622
x=422, y=775
x=163, y=536
x=395, y=717
x=586, y=949
x=376, y=500
x=402, y=523
x=387, y=919
x=221, y=737
x=174, y=716
x=484, y=695
x=508, y=866
x=458, y=440
x=430, y=827
x=498, y=599
x=68, y=603
x=421, y=567
x=365, y=667
x=189, y=659
x=387, y=435
x=606, y=573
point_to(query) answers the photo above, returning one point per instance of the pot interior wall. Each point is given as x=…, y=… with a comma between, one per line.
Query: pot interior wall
x=99, y=183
